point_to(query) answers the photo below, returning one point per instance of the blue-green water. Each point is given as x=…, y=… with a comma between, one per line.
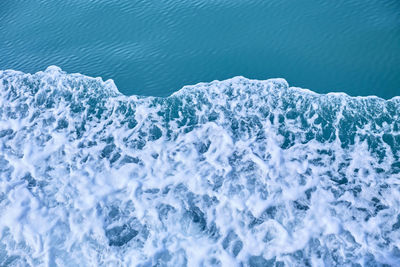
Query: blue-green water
x=240, y=172
x=157, y=47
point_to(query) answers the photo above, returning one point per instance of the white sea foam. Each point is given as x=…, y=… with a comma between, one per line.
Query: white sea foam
x=230, y=173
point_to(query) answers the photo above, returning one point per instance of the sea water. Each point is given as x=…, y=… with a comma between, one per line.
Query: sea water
x=237, y=172
x=154, y=48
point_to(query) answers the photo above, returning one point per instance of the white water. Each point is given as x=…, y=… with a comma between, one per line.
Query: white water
x=226, y=173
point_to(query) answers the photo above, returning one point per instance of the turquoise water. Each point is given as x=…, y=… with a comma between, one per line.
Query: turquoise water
x=239, y=172
x=155, y=48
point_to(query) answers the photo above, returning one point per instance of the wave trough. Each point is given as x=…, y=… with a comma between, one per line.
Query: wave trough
x=228, y=173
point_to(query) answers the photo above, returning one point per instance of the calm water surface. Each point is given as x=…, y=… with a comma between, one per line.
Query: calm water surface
x=156, y=47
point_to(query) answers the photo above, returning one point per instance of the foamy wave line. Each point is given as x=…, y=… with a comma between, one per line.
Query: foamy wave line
x=110, y=84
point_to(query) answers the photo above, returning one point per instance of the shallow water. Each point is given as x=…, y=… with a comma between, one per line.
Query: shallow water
x=155, y=48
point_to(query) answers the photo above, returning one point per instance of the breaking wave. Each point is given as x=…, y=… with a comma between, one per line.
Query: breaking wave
x=232, y=173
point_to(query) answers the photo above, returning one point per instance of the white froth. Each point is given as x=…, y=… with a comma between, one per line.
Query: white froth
x=230, y=173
